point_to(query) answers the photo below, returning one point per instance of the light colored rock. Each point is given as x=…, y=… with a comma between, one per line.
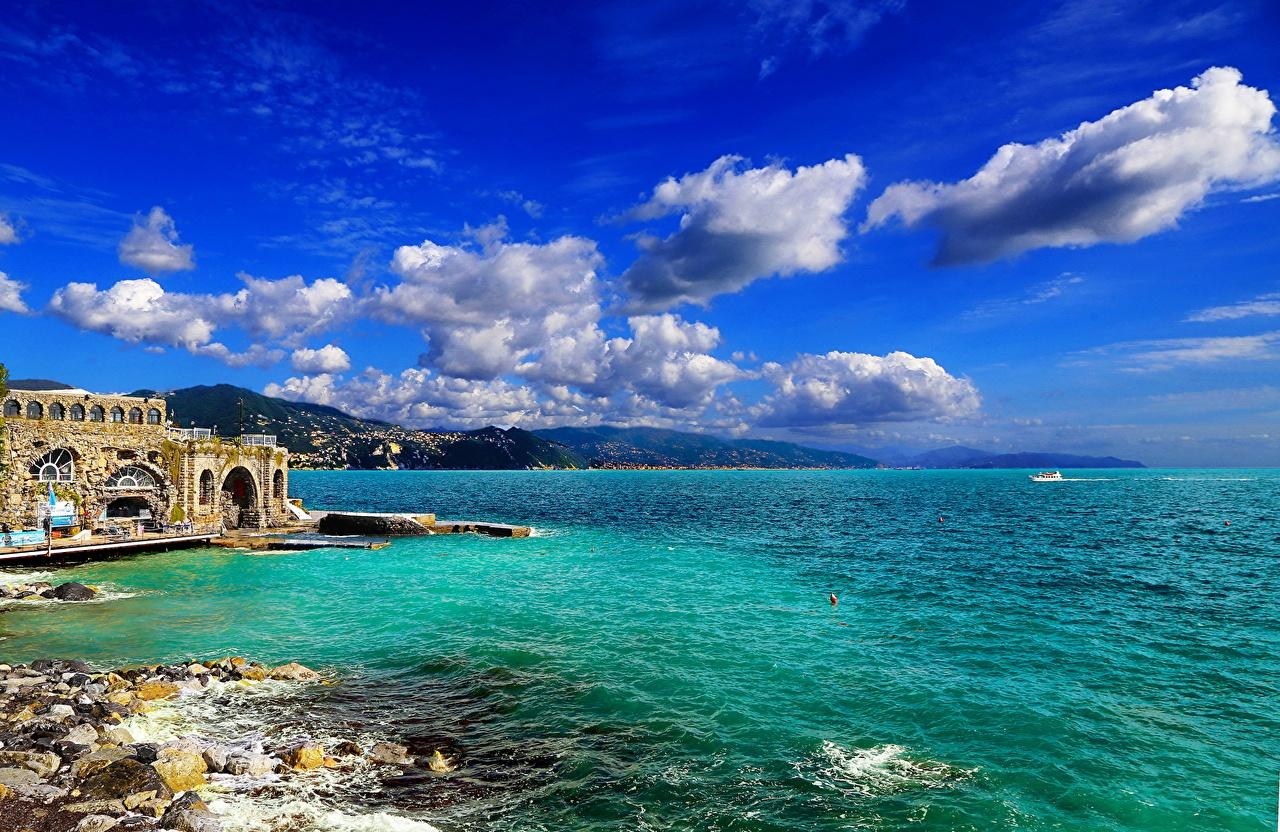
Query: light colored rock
x=150, y=691
x=96, y=761
x=215, y=757
x=18, y=777
x=254, y=765
x=96, y=823
x=390, y=754
x=294, y=672
x=119, y=735
x=192, y=820
x=133, y=801
x=96, y=806
x=305, y=756
x=181, y=769
x=197, y=669
x=43, y=763
x=82, y=734
x=439, y=763
x=61, y=712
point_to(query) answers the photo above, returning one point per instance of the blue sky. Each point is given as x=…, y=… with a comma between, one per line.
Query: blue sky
x=864, y=224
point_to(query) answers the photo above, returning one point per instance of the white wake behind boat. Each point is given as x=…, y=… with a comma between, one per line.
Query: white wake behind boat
x=1047, y=476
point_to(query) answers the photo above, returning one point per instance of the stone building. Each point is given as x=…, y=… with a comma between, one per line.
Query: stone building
x=111, y=459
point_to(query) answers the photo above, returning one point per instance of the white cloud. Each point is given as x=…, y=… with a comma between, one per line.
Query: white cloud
x=152, y=245
x=11, y=295
x=1167, y=353
x=1040, y=293
x=1266, y=304
x=142, y=312
x=486, y=308
x=8, y=234
x=1131, y=174
x=739, y=225
x=327, y=359
x=667, y=360
x=850, y=388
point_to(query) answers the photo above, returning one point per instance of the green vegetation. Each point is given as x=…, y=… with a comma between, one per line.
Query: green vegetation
x=628, y=447
x=4, y=391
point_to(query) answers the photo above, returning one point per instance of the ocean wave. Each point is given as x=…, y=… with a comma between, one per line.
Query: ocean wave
x=879, y=770
x=254, y=815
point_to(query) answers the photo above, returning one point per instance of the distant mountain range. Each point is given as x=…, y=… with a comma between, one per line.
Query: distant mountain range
x=958, y=456
x=319, y=436
x=609, y=447
x=324, y=437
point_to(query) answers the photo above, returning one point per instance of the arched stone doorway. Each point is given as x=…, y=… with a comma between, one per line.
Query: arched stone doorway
x=240, y=499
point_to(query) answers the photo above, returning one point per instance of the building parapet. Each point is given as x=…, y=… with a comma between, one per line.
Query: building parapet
x=260, y=440
x=188, y=434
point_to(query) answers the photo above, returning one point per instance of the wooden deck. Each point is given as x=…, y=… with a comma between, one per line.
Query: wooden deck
x=102, y=546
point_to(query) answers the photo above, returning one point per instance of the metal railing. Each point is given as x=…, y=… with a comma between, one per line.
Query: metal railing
x=186, y=434
x=260, y=440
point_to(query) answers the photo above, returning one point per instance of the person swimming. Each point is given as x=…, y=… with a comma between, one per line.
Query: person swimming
x=834, y=599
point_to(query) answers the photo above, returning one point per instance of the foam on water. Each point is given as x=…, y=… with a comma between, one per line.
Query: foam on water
x=879, y=770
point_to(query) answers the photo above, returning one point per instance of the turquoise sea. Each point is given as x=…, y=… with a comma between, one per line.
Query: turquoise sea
x=1097, y=654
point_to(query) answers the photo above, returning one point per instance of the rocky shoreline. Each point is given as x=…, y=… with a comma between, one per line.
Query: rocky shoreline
x=70, y=761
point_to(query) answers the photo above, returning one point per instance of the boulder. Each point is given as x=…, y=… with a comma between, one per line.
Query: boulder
x=15, y=777
x=389, y=754
x=71, y=591
x=122, y=778
x=96, y=823
x=96, y=761
x=255, y=673
x=305, y=756
x=82, y=734
x=149, y=691
x=43, y=763
x=347, y=748
x=181, y=769
x=294, y=672
x=191, y=820
x=215, y=757
x=439, y=763
x=254, y=765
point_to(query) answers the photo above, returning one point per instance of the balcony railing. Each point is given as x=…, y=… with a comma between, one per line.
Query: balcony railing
x=187, y=434
x=260, y=440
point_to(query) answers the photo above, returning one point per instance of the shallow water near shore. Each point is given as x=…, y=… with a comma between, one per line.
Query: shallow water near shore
x=1096, y=654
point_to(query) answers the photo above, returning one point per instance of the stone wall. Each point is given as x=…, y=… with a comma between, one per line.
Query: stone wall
x=101, y=449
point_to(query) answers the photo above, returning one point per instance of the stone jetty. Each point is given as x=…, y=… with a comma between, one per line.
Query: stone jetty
x=69, y=761
x=403, y=524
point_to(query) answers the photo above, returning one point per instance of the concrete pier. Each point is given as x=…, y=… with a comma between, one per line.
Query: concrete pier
x=407, y=524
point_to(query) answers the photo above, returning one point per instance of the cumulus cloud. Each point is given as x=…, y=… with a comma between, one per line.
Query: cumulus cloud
x=11, y=295
x=486, y=307
x=850, y=388
x=667, y=360
x=152, y=245
x=327, y=359
x=142, y=312
x=8, y=234
x=1131, y=174
x=738, y=225
x=1265, y=304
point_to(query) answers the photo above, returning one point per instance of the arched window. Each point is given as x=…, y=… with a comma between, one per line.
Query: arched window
x=131, y=477
x=117, y=414
x=153, y=416
x=35, y=410
x=277, y=485
x=12, y=409
x=57, y=411
x=96, y=413
x=77, y=413
x=135, y=416
x=55, y=466
x=206, y=488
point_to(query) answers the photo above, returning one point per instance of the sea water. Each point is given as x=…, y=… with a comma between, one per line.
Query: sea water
x=1101, y=653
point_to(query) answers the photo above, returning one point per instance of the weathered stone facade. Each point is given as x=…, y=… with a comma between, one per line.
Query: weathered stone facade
x=115, y=456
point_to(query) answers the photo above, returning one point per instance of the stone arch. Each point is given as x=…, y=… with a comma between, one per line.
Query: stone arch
x=135, y=491
x=206, y=487
x=35, y=410
x=77, y=412
x=135, y=415
x=117, y=414
x=153, y=416
x=57, y=411
x=97, y=414
x=242, y=486
x=277, y=485
x=12, y=409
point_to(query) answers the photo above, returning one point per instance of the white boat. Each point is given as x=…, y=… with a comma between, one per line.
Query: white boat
x=1047, y=476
